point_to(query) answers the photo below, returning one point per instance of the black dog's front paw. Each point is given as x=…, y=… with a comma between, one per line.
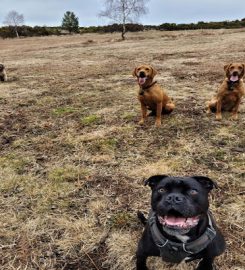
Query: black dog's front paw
x=206, y=266
x=140, y=266
x=141, y=262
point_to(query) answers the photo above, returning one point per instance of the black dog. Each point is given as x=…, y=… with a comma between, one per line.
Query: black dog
x=3, y=74
x=179, y=226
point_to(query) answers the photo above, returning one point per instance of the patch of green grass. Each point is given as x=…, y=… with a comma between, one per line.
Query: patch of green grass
x=66, y=174
x=111, y=143
x=105, y=146
x=55, y=197
x=128, y=116
x=45, y=100
x=17, y=164
x=121, y=220
x=90, y=119
x=220, y=154
x=10, y=181
x=13, y=183
x=60, y=111
x=19, y=143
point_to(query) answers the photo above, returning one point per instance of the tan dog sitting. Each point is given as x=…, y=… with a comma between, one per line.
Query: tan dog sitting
x=3, y=74
x=230, y=93
x=150, y=95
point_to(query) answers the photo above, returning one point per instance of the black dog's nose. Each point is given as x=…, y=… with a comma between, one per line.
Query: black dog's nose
x=175, y=198
x=142, y=74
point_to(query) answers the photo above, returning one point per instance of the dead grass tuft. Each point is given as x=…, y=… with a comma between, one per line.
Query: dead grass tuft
x=117, y=244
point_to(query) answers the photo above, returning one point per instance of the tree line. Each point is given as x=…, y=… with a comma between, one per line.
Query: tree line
x=28, y=31
x=122, y=12
x=199, y=25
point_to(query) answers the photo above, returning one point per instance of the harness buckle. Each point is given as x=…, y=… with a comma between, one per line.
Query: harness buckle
x=162, y=245
x=184, y=248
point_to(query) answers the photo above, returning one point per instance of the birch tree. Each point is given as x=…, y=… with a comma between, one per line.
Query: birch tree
x=124, y=11
x=14, y=19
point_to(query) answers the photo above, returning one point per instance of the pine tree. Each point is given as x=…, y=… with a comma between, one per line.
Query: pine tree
x=70, y=22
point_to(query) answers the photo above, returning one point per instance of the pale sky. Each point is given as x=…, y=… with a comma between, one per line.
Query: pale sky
x=50, y=12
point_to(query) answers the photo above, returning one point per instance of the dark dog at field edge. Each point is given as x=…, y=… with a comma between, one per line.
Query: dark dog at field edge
x=151, y=95
x=3, y=74
x=180, y=227
x=230, y=92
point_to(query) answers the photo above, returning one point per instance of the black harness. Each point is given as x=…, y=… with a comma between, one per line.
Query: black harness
x=143, y=89
x=176, y=252
x=232, y=85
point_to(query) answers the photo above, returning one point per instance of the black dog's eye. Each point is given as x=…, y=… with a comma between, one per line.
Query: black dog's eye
x=161, y=190
x=193, y=192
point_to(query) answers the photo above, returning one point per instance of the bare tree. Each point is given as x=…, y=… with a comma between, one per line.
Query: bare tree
x=14, y=19
x=124, y=11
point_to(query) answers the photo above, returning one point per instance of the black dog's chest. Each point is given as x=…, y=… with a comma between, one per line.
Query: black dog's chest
x=173, y=254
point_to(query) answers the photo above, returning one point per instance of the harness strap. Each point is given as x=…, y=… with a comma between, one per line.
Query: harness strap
x=176, y=252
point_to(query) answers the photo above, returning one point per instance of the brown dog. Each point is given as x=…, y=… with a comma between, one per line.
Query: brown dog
x=150, y=95
x=230, y=93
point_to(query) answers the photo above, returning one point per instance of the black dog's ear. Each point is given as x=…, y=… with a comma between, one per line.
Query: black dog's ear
x=206, y=182
x=154, y=180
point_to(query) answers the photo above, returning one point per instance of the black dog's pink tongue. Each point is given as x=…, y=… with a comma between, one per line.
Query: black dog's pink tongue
x=234, y=78
x=174, y=221
x=181, y=222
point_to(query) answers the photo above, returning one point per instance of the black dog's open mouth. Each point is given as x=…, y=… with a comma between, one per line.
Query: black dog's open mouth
x=177, y=221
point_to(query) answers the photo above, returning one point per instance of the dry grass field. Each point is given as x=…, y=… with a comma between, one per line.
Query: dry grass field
x=73, y=158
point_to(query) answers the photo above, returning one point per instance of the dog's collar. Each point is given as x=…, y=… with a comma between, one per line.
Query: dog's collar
x=176, y=252
x=142, y=88
x=231, y=85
